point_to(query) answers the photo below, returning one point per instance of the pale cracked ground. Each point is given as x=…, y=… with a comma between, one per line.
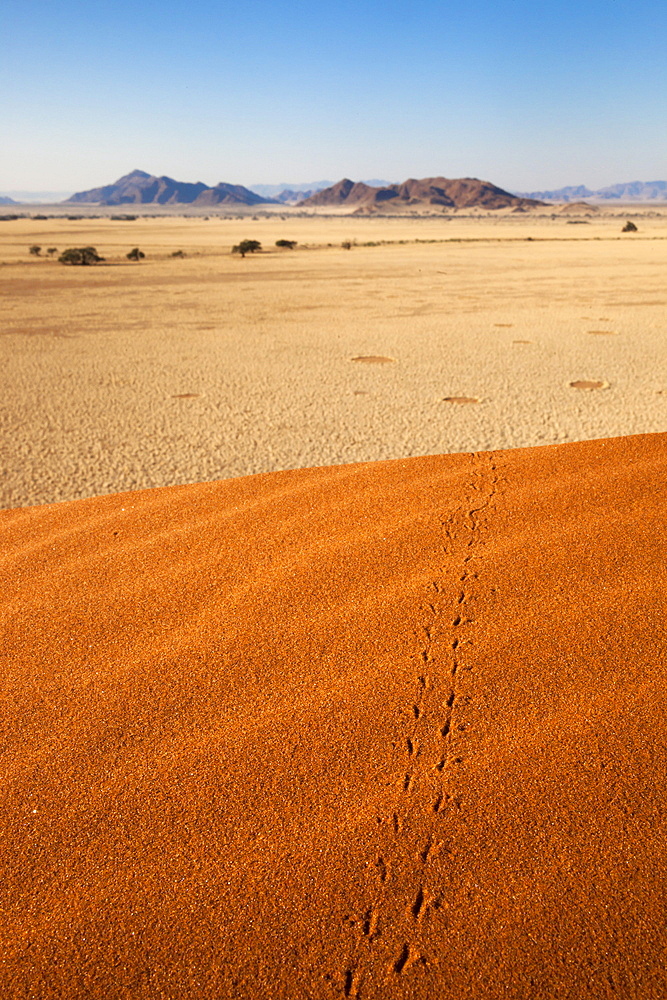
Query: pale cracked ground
x=515, y=332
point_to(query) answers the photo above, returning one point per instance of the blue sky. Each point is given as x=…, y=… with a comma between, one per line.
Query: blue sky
x=526, y=95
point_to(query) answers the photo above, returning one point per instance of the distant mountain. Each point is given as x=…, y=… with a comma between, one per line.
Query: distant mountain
x=632, y=191
x=230, y=194
x=465, y=192
x=291, y=197
x=635, y=191
x=345, y=192
x=7, y=201
x=140, y=188
x=275, y=190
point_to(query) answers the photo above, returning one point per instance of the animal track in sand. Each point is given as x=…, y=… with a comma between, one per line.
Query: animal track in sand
x=522, y=341
x=373, y=359
x=586, y=384
x=461, y=399
x=602, y=333
x=506, y=325
x=187, y=395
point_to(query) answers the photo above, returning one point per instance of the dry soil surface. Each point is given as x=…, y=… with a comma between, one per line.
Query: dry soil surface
x=489, y=333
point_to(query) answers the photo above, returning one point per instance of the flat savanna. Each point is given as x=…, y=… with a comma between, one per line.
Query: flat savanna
x=473, y=334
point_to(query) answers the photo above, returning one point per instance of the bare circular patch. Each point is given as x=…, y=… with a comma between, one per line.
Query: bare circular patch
x=187, y=395
x=462, y=399
x=373, y=359
x=586, y=384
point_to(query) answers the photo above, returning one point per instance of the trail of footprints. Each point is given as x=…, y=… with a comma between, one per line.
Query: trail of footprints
x=437, y=696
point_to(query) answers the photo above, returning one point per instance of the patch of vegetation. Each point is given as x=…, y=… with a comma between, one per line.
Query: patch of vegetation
x=80, y=255
x=629, y=227
x=123, y=218
x=177, y=253
x=35, y=250
x=289, y=244
x=247, y=246
x=52, y=250
x=135, y=254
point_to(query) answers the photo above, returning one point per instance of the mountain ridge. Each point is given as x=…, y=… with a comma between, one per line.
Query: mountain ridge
x=139, y=187
x=454, y=193
x=628, y=191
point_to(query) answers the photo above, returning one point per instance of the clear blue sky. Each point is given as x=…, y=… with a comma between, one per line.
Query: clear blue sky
x=527, y=95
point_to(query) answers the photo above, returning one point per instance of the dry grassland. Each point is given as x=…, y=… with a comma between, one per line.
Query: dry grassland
x=125, y=376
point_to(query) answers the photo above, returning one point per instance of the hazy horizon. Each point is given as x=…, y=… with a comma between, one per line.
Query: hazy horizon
x=529, y=98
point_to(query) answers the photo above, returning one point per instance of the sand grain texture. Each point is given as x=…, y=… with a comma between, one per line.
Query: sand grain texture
x=381, y=731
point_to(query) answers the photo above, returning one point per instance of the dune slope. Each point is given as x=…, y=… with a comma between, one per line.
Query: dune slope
x=393, y=730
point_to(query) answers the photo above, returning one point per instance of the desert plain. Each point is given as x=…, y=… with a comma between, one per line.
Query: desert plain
x=174, y=370
x=368, y=700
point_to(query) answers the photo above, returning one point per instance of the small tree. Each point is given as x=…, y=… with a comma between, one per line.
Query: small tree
x=247, y=246
x=52, y=250
x=80, y=255
x=289, y=244
x=35, y=250
x=629, y=227
x=346, y=244
x=135, y=254
x=177, y=253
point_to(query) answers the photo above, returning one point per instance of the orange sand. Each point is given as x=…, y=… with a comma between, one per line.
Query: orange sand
x=393, y=730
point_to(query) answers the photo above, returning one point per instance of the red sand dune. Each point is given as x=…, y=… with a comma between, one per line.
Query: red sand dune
x=380, y=731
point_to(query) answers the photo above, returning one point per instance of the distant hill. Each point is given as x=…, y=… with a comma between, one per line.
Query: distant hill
x=139, y=187
x=465, y=192
x=7, y=201
x=631, y=191
x=290, y=196
x=277, y=190
x=294, y=194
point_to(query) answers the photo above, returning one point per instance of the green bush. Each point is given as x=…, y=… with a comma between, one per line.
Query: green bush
x=247, y=246
x=289, y=244
x=35, y=250
x=80, y=255
x=135, y=254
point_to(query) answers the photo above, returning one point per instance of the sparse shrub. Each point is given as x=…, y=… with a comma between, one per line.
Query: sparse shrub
x=247, y=246
x=629, y=227
x=35, y=250
x=52, y=250
x=347, y=244
x=290, y=244
x=135, y=254
x=80, y=255
x=177, y=253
